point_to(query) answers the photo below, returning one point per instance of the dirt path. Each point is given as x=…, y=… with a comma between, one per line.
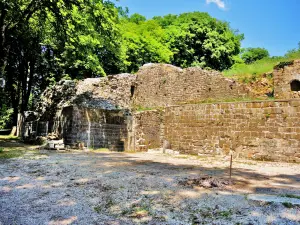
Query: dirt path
x=116, y=188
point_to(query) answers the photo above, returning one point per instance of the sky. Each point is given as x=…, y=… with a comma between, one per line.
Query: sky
x=271, y=24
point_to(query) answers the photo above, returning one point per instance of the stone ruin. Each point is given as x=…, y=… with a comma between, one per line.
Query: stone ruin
x=162, y=103
x=287, y=80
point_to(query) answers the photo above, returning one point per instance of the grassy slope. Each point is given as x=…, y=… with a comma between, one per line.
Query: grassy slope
x=253, y=72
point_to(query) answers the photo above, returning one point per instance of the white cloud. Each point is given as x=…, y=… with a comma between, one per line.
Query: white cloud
x=219, y=3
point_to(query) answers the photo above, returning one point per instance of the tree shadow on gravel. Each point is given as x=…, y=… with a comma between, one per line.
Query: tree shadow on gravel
x=130, y=189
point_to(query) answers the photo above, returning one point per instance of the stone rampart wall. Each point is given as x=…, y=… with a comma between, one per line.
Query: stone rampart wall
x=160, y=85
x=268, y=130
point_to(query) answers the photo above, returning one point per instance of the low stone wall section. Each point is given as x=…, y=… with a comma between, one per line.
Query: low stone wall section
x=267, y=130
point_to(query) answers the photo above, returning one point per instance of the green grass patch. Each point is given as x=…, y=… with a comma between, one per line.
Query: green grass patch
x=257, y=68
x=16, y=152
x=290, y=196
x=97, y=209
x=100, y=150
x=225, y=100
x=215, y=214
x=142, y=109
x=225, y=214
x=287, y=205
x=9, y=137
x=247, y=73
x=11, y=153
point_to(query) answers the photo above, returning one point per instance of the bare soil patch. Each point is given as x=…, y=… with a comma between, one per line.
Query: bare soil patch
x=206, y=182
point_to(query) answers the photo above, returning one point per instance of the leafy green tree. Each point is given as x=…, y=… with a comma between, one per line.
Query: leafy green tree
x=137, y=18
x=145, y=42
x=250, y=55
x=197, y=39
x=43, y=41
x=5, y=117
x=165, y=21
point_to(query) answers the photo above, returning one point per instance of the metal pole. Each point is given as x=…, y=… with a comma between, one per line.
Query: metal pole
x=230, y=171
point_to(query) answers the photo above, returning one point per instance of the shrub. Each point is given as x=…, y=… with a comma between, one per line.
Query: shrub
x=5, y=116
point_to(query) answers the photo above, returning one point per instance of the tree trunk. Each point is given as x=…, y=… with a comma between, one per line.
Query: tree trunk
x=29, y=85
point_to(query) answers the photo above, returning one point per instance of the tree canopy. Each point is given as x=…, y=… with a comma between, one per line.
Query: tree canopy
x=144, y=42
x=190, y=39
x=250, y=55
x=197, y=39
x=43, y=41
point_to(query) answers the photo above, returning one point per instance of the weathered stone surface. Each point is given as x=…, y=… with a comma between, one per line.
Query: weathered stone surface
x=55, y=98
x=111, y=92
x=165, y=85
x=96, y=128
x=267, y=133
x=108, y=93
x=283, y=77
x=147, y=130
x=30, y=116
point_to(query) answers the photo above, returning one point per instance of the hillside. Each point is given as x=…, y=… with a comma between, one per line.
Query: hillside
x=259, y=74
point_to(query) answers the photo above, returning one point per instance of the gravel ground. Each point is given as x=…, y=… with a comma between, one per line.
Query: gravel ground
x=141, y=188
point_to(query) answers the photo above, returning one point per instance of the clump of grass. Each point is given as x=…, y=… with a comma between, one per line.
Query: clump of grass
x=290, y=196
x=225, y=214
x=8, y=137
x=140, y=212
x=213, y=213
x=141, y=108
x=100, y=150
x=287, y=205
x=97, y=209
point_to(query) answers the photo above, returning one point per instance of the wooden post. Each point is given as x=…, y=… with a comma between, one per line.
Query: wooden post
x=230, y=171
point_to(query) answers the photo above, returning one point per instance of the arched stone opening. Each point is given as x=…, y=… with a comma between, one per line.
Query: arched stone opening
x=295, y=85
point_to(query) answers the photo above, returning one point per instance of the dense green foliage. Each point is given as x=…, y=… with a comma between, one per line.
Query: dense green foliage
x=143, y=42
x=196, y=39
x=5, y=116
x=250, y=55
x=190, y=39
x=44, y=41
